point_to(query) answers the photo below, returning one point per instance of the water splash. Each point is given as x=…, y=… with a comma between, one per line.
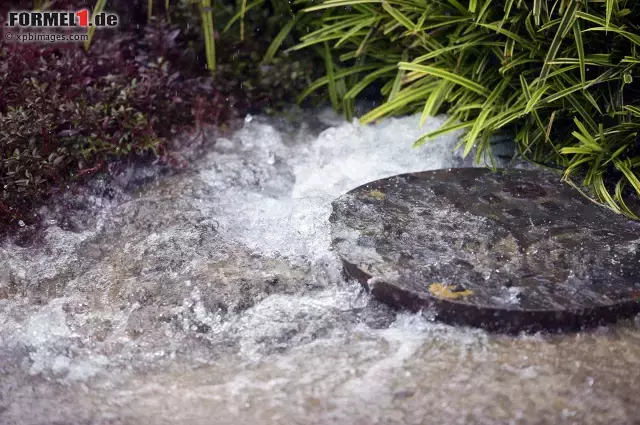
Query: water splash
x=214, y=293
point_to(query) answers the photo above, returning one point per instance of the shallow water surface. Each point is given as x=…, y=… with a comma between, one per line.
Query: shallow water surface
x=212, y=296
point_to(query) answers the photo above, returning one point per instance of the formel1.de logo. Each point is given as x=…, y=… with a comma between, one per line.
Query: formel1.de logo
x=60, y=19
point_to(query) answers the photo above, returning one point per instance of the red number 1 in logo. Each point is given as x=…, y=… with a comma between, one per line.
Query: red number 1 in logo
x=83, y=17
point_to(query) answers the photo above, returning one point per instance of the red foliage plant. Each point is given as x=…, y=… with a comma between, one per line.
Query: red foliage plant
x=65, y=112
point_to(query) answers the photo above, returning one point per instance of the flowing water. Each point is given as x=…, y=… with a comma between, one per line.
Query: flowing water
x=212, y=296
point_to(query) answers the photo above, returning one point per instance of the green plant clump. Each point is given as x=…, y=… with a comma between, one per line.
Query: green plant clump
x=560, y=77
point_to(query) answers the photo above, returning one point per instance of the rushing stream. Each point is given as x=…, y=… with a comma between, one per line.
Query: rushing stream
x=212, y=296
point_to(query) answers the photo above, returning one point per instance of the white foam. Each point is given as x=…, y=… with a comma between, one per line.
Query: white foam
x=266, y=188
x=294, y=223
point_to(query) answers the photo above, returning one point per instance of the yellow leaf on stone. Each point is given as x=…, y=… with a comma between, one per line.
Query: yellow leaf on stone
x=376, y=194
x=447, y=291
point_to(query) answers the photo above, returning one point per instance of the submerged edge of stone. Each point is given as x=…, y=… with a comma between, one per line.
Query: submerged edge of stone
x=491, y=319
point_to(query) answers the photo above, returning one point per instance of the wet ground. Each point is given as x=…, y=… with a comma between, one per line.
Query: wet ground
x=212, y=296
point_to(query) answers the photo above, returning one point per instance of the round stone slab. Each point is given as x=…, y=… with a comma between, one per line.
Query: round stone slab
x=510, y=250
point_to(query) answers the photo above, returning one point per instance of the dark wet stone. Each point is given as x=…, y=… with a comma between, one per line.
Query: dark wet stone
x=510, y=251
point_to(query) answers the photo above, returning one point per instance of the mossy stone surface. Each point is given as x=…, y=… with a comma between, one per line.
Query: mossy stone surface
x=512, y=250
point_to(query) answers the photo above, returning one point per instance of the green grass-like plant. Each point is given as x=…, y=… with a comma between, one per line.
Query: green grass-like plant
x=557, y=76
x=99, y=8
